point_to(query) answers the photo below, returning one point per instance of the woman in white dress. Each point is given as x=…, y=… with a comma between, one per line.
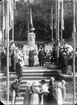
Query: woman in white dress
x=58, y=87
x=35, y=93
x=27, y=93
x=63, y=90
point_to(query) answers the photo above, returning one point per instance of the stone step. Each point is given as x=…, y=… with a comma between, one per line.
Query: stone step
x=4, y=78
x=20, y=100
x=37, y=70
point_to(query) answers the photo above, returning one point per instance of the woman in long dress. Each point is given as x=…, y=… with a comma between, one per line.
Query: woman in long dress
x=51, y=95
x=35, y=94
x=58, y=87
x=63, y=90
x=27, y=93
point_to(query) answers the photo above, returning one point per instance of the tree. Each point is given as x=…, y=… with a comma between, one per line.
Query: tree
x=41, y=10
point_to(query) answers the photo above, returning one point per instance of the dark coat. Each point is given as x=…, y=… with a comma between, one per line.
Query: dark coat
x=27, y=96
x=65, y=60
x=51, y=97
x=41, y=54
x=31, y=55
x=31, y=58
x=3, y=59
x=18, y=69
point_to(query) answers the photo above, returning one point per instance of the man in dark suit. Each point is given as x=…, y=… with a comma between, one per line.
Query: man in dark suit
x=65, y=63
x=41, y=56
x=31, y=58
x=19, y=69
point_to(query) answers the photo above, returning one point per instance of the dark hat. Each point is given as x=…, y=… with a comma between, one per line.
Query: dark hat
x=42, y=81
x=19, y=60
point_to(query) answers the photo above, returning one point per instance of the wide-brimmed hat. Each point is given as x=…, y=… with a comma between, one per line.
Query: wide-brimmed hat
x=19, y=60
x=58, y=84
x=63, y=82
x=52, y=78
x=29, y=83
x=35, y=83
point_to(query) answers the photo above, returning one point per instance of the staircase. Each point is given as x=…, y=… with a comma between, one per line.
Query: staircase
x=32, y=74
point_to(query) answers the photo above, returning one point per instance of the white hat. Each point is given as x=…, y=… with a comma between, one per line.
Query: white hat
x=63, y=82
x=29, y=83
x=52, y=78
x=35, y=83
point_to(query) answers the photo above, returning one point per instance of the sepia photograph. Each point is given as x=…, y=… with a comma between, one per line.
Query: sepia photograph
x=38, y=52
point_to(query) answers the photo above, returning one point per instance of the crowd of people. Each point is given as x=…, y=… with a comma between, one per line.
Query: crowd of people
x=41, y=93
x=65, y=57
x=16, y=59
x=62, y=62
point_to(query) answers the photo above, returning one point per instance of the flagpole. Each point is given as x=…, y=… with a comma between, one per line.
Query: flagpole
x=74, y=32
x=61, y=22
x=7, y=35
x=56, y=21
x=57, y=31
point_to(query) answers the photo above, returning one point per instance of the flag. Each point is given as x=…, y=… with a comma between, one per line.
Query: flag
x=57, y=10
x=11, y=18
x=55, y=20
x=51, y=23
x=74, y=28
x=3, y=16
x=14, y=4
x=62, y=15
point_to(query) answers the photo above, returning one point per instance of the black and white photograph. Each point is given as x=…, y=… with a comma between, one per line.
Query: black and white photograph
x=38, y=52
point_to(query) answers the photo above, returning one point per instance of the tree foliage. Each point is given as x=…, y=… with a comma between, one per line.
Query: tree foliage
x=41, y=19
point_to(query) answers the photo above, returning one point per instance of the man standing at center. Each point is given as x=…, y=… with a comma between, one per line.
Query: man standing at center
x=41, y=56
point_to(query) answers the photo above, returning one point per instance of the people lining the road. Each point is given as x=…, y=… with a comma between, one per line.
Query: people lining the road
x=40, y=93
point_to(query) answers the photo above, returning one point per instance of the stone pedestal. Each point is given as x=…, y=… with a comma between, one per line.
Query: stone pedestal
x=31, y=40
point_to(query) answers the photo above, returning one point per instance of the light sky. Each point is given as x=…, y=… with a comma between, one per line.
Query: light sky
x=24, y=0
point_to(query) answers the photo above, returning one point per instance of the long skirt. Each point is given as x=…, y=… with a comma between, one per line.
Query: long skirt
x=34, y=99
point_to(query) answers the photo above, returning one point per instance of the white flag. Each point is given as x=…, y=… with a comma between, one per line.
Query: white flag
x=10, y=13
x=62, y=15
x=51, y=23
x=3, y=16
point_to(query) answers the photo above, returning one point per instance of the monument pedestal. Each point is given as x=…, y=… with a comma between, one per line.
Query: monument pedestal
x=31, y=41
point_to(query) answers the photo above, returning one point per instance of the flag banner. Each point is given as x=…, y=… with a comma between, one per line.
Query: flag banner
x=14, y=4
x=51, y=23
x=55, y=20
x=62, y=15
x=74, y=28
x=10, y=14
x=3, y=16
